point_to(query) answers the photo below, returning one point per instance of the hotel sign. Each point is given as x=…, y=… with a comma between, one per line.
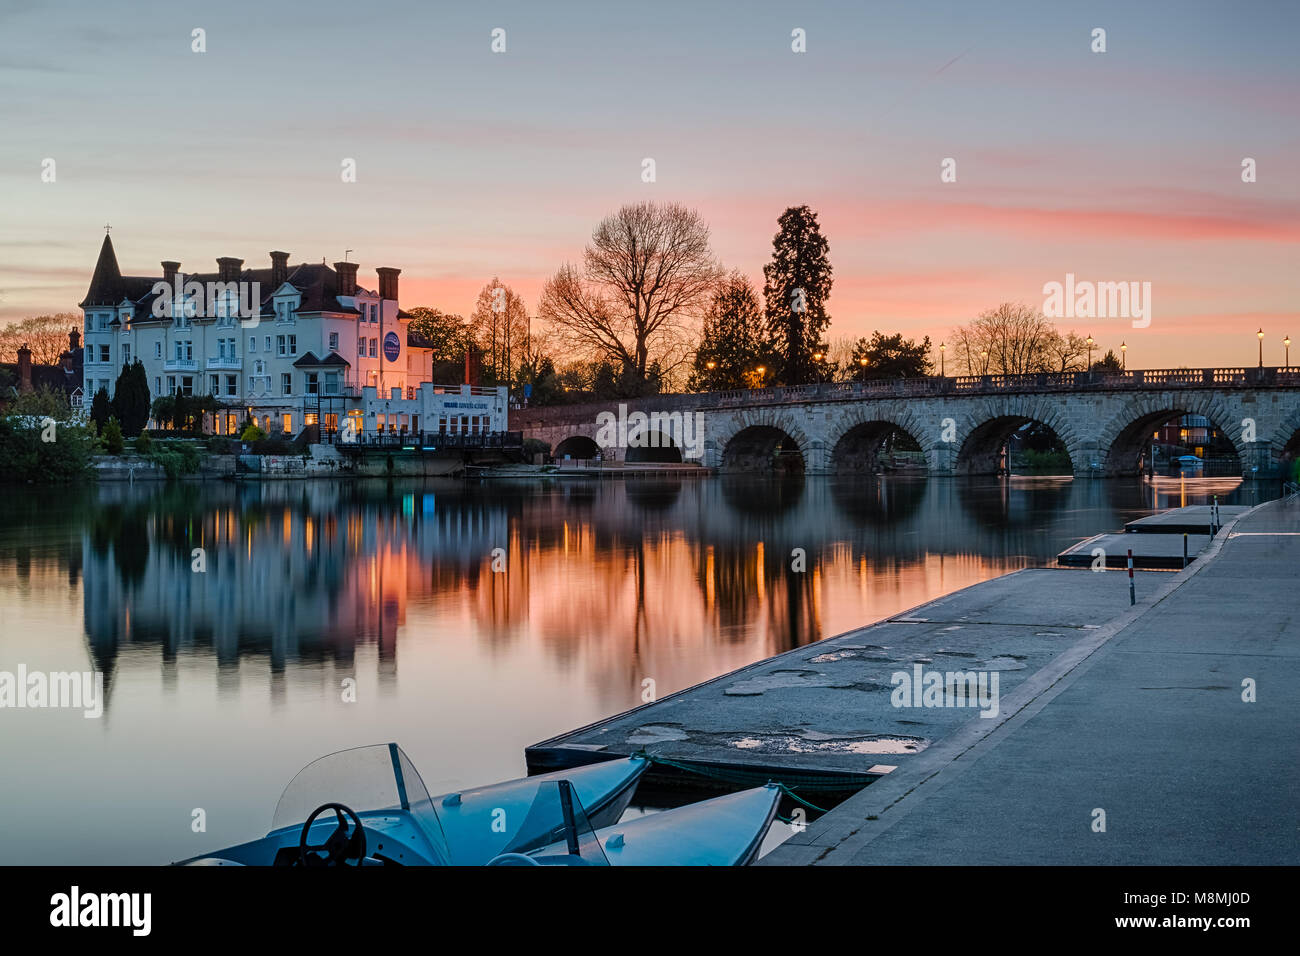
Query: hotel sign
x=392, y=346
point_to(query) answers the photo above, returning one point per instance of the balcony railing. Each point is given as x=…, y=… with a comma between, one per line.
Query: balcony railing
x=225, y=364
x=432, y=441
x=180, y=365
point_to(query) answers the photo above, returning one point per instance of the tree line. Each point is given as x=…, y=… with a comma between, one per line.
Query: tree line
x=648, y=307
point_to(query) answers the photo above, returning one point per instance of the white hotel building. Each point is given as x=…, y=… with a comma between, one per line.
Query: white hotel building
x=311, y=347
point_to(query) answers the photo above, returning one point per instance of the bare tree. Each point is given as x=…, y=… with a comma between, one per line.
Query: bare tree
x=1068, y=352
x=499, y=325
x=647, y=271
x=1012, y=339
x=45, y=335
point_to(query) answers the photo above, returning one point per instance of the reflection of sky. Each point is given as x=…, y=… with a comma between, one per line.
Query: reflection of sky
x=1115, y=166
x=604, y=589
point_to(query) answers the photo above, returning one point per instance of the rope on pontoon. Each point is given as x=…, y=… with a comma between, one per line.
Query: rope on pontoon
x=739, y=779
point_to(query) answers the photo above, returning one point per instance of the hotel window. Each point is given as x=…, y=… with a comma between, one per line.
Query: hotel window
x=334, y=341
x=251, y=386
x=126, y=355
x=171, y=384
x=374, y=348
x=267, y=344
x=410, y=392
x=331, y=383
x=214, y=385
x=313, y=386
x=232, y=384
x=252, y=343
x=374, y=314
x=286, y=383
x=293, y=345
x=279, y=345
x=442, y=424
x=187, y=385
x=361, y=346
x=157, y=385
x=103, y=353
x=286, y=423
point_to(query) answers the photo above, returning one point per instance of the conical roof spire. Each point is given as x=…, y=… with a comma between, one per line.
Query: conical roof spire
x=106, y=283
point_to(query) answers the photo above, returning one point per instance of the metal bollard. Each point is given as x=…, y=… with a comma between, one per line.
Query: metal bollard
x=1132, y=593
x=1184, y=549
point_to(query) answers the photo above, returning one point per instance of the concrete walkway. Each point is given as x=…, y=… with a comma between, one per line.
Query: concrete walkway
x=1147, y=724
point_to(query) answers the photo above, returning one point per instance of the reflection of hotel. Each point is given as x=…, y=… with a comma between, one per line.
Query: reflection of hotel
x=289, y=345
x=279, y=583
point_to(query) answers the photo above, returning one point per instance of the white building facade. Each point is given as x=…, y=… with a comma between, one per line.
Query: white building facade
x=288, y=346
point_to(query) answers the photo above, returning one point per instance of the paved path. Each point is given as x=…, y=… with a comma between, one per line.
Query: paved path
x=1146, y=723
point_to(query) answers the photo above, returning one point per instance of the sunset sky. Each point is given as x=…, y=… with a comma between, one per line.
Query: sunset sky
x=1115, y=166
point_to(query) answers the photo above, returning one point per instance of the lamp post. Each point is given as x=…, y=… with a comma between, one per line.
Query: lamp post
x=762, y=373
x=863, y=363
x=817, y=368
x=942, y=372
x=984, y=356
x=1090, y=344
x=1260, y=333
x=1123, y=356
x=1286, y=342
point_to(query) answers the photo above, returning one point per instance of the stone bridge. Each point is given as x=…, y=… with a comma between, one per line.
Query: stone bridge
x=1104, y=419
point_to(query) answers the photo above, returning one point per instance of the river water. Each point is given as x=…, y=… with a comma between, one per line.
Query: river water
x=467, y=620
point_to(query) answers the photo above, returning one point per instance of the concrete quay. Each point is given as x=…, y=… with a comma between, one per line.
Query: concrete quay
x=1166, y=736
x=821, y=716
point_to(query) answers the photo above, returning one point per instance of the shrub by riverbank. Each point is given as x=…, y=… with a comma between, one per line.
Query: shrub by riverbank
x=46, y=451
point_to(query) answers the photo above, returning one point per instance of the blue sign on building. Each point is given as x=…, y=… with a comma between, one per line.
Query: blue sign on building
x=392, y=346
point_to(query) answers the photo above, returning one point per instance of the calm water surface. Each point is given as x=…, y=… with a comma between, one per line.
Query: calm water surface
x=221, y=684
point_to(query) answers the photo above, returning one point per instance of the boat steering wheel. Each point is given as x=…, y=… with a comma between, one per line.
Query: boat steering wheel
x=341, y=845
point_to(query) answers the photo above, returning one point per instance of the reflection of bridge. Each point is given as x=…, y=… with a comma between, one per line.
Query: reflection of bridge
x=1104, y=419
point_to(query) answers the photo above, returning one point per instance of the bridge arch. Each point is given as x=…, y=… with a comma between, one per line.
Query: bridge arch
x=1285, y=442
x=576, y=446
x=857, y=449
x=990, y=426
x=766, y=442
x=654, y=447
x=1127, y=436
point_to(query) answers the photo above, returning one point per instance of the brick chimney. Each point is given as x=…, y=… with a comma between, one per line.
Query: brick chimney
x=24, y=368
x=388, y=282
x=228, y=268
x=169, y=272
x=347, y=277
x=279, y=269
x=74, y=339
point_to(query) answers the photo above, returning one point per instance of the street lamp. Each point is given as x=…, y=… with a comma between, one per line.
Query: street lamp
x=942, y=371
x=1260, y=333
x=762, y=372
x=1287, y=343
x=1123, y=354
x=1090, y=344
x=863, y=363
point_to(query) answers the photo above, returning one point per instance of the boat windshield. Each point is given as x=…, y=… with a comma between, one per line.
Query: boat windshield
x=375, y=777
x=545, y=821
